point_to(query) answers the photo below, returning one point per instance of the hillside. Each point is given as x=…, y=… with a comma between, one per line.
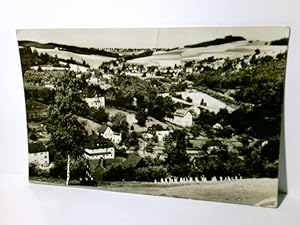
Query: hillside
x=231, y=50
x=69, y=48
x=218, y=41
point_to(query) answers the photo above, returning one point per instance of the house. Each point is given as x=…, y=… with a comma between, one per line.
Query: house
x=96, y=102
x=181, y=118
x=98, y=148
x=195, y=111
x=99, y=153
x=108, y=133
x=39, y=158
x=161, y=134
x=78, y=68
x=50, y=86
x=218, y=126
x=93, y=80
x=38, y=154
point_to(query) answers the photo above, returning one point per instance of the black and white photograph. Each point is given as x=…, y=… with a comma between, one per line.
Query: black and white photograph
x=187, y=112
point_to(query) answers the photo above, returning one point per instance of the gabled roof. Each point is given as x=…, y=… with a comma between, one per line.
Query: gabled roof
x=95, y=142
x=36, y=147
x=181, y=112
x=102, y=129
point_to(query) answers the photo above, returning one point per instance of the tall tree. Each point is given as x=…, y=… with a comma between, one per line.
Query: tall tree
x=67, y=133
x=141, y=117
x=177, y=160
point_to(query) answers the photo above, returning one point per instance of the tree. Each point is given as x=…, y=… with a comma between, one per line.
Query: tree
x=67, y=133
x=141, y=117
x=119, y=121
x=189, y=99
x=99, y=115
x=178, y=161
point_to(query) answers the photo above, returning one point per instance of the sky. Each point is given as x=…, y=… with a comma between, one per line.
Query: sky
x=147, y=37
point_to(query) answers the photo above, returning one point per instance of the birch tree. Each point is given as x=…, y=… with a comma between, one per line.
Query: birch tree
x=67, y=133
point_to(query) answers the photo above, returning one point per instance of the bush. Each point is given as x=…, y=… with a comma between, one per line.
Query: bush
x=115, y=173
x=34, y=170
x=78, y=169
x=150, y=173
x=189, y=99
x=59, y=170
x=33, y=137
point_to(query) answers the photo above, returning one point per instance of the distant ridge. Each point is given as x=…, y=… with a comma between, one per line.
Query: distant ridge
x=218, y=41
x=69, y=48
x=282, y=41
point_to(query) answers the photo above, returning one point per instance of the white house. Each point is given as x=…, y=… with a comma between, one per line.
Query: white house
x=161, y=134
x=93, y=80
x=96, y=102
x=195, y=111
x=78, y=68
x=181, y=118
x=39, y=158
x=108, y=133
x=99, y=153
x=218, y=126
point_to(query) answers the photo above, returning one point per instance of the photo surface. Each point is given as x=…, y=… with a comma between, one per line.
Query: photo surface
x=190, y=113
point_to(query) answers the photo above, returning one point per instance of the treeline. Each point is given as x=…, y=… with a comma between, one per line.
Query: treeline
x=135, y=56
x=218, y=41
x=282, y=41
x=69, y=48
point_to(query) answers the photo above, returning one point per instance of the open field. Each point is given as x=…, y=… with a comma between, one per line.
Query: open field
x=246, y=191
x=212, y=104
x=259, y=192
x=232, y=50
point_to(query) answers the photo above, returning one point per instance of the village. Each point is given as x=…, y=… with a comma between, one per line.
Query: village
x=162, y=121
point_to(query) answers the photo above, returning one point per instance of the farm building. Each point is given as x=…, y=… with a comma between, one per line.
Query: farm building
x=39, y=158
x=108, y=133
x=181, y=118
x=195, y=111
x=161, y=134
x=93, y=80
x=99, y=153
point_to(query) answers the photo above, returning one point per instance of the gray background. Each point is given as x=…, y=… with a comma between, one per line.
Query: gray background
x=23, y=203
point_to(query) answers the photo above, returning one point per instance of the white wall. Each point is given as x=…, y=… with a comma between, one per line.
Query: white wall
x=33, y=204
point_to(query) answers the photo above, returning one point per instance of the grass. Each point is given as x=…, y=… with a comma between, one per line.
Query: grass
x=260, y=192
x=255, y=191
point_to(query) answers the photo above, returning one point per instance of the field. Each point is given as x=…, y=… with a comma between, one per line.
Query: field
x=93, y=60
x=258, y=192
x=232, y=50
x=212, y=104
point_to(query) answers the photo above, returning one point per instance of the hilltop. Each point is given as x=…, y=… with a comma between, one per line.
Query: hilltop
x=217, y=41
